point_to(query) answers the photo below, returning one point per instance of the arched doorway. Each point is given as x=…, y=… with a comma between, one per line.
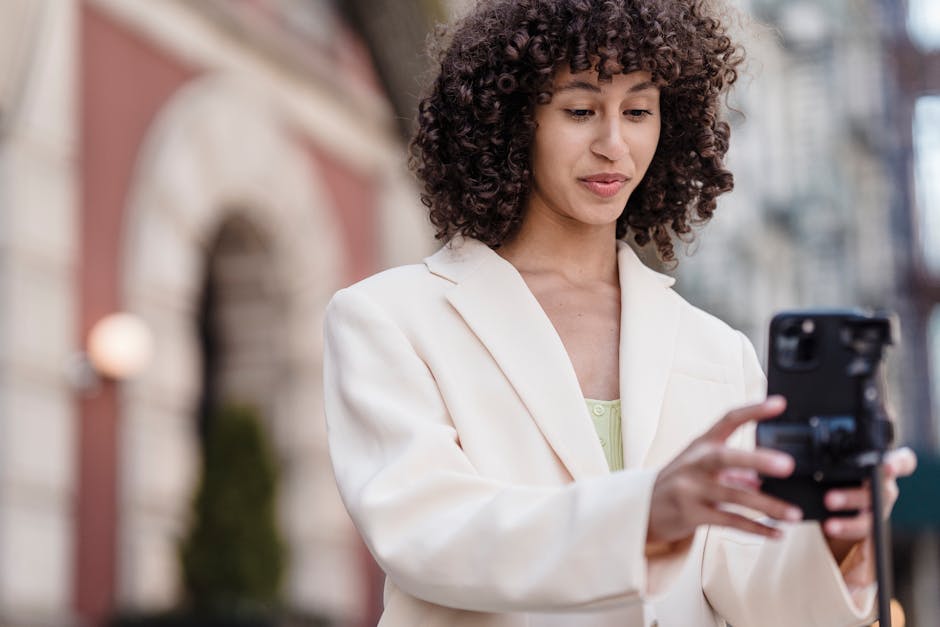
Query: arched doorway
x=241, y=322
x=246, y=209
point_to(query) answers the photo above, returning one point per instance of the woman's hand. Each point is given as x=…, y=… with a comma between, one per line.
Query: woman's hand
x=709, y=474
x=845, y=533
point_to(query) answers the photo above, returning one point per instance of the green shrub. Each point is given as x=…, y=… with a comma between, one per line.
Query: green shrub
x=234, y=557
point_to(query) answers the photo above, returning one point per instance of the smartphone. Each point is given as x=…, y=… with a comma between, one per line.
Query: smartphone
x=828, y=364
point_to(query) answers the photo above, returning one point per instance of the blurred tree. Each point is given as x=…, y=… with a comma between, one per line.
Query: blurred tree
x=234, y=557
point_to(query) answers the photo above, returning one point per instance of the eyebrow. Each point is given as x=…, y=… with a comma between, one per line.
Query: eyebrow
x=580, y=84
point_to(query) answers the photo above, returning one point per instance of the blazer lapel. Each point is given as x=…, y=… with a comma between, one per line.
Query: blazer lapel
x=649, y=316
x=499, y=308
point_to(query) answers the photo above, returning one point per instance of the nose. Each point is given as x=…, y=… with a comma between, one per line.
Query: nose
x=611, y=142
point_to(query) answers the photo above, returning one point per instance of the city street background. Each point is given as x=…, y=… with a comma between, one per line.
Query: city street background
x=214, y=170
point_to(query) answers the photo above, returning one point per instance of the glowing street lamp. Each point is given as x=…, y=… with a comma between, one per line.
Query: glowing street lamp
x=119, y=347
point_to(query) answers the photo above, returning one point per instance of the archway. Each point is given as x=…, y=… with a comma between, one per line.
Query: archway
x=218, y=146
x=240, y=322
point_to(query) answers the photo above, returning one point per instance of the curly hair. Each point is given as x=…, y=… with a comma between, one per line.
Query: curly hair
x=476, y=126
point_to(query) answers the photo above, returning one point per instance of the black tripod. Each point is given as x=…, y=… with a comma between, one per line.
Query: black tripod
x=882, y=538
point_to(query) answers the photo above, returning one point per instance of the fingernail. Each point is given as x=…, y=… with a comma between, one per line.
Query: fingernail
x=794, y=514
x=836, y=500
x=781, y=463
x=835, y=527
x=774, y=401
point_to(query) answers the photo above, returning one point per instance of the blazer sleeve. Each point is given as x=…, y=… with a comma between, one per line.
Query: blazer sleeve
x=753, y=582
x=440, y=530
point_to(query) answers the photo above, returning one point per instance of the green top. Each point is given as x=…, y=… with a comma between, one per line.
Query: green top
x=606, y=417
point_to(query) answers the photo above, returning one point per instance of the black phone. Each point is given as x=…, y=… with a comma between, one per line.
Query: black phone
x=828, y=364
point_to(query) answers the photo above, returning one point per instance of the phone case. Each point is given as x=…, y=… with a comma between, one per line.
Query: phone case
x=827, y=364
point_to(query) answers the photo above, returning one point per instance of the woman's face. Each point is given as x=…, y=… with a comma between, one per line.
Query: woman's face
x=593, y=144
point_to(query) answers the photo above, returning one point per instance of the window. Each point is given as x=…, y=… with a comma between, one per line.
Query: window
x=927, y=178
x=923, y=24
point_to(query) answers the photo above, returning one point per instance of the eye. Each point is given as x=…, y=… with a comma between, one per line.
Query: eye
x=637, y=114
x=579, y=115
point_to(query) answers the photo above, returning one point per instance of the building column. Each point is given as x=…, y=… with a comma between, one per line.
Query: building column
x=37, y=309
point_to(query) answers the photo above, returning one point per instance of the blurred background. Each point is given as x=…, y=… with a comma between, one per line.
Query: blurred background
x=184, y=184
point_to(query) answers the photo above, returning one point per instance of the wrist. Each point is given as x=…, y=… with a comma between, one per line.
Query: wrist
x=842, y=549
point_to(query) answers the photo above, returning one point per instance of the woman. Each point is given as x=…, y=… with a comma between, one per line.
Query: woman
x=532, y=428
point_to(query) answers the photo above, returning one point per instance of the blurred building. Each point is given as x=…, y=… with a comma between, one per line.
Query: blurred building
x=835, y=206
x=217, y=168
x=809, y=220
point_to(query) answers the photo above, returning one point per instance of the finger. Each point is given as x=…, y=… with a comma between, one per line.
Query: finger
x=757, y=501
x=722, y=430
x=856, y=528
x=891, y=493
x=723, y=518
x=764, y=461
x=860, y=498
x=739, y=477
x=900, y=462
x=846, y=499
x=889, y=490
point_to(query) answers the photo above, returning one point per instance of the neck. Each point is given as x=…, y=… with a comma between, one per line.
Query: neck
x=579, y=253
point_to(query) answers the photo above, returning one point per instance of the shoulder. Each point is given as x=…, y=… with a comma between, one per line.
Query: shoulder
x=701, y=338
x=424, y=284
x=394, y=283
x=389, y=290
x=404, y=296
x=700, y=321
x=711, y=339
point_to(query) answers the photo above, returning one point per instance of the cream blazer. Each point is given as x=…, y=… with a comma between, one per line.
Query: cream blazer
x=464, y=453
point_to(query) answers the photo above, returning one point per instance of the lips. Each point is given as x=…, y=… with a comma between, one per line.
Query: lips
x=605, y=185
